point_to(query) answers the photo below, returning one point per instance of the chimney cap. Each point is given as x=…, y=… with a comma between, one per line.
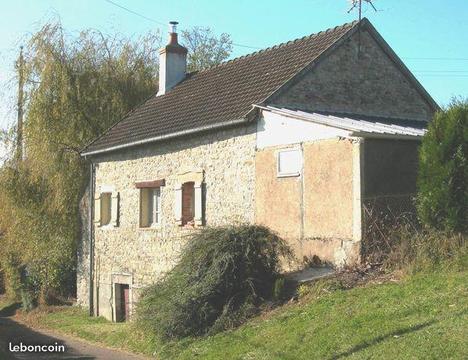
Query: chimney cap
x=173, y=26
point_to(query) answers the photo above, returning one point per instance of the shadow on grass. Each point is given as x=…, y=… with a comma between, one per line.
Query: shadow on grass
x=379, y=339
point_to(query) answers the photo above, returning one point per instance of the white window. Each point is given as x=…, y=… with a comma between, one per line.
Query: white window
x=150, y=207
x=289, y=162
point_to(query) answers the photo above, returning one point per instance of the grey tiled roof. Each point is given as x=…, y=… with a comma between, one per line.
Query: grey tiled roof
x=219, y=94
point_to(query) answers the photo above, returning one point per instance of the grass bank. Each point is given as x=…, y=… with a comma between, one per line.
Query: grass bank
x=420, y=316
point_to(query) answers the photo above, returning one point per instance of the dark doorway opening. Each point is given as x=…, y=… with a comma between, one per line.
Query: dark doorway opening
x=122, y=302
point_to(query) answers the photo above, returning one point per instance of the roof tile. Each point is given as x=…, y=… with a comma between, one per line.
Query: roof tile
x=219, y=94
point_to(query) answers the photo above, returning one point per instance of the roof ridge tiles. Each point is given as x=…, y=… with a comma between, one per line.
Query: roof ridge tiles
x=280, y=45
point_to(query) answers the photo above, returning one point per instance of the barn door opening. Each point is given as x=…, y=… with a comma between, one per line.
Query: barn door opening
x=122, y=302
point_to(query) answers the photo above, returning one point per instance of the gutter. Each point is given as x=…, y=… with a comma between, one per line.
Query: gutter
x=91, y=239
x=370, y=135
x=167, y=136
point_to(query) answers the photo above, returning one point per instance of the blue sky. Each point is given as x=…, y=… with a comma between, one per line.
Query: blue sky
x=429, y=35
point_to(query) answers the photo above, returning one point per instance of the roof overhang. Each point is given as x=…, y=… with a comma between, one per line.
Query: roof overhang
x=173, y=135
x=357, y=127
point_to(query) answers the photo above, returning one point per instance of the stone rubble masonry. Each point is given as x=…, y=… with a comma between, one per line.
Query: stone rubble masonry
x=144, y=255
x=370, y=84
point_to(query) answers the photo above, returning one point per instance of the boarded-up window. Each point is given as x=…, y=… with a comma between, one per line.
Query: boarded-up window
x=150, y=207
x=289, y=162
x=188, y=203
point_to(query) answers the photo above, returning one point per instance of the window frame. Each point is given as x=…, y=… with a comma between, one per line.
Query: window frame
x=281, y=174
x=155, y=218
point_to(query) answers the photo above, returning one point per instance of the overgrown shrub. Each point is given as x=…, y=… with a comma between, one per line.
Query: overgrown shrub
x=442, y=200
x=414, y=250
x=223, y=276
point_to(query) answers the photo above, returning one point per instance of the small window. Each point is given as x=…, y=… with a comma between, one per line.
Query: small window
x=150, y=207
x=106, y=208
x=289, y=163
x=188, y=203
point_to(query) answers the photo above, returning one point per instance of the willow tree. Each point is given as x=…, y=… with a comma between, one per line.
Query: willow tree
x=76, y=87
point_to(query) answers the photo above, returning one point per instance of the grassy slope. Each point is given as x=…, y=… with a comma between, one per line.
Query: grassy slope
x=424, y=316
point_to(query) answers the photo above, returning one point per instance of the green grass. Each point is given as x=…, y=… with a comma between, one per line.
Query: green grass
x=423, y=316
x=76, y=322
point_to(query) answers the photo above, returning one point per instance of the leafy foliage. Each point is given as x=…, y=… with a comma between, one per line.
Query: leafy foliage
x=442, y=200
x=223, y=275
x=75, y=88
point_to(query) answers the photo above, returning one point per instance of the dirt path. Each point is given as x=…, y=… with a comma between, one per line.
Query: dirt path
x=15, y=333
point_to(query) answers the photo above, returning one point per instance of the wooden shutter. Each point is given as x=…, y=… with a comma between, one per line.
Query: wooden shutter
x=145, y=207
x=97, y=210
x=178, y=204
x=115, y=208
x=198, y=213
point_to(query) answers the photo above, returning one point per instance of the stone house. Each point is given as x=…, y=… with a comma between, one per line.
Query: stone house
x=298, y=137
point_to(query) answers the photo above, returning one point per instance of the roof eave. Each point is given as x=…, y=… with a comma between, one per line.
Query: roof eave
x=166, y=137
x=371, y=135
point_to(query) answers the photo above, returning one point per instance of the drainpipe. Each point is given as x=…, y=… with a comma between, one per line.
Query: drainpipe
x=91, y=239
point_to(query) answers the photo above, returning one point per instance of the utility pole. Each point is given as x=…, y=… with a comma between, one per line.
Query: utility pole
x=19, y=126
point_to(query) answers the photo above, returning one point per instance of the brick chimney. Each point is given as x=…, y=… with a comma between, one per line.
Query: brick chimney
x=172, y=62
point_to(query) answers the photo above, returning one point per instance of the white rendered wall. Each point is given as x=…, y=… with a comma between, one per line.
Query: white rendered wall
x=275, y=129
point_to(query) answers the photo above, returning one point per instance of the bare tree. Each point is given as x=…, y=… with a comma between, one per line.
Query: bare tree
x=205, y=49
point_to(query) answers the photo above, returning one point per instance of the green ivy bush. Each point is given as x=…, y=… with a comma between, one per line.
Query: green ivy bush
x=223, y=276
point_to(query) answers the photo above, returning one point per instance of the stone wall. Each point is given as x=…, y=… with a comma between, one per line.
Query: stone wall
x=129, y=254
x=368, y=84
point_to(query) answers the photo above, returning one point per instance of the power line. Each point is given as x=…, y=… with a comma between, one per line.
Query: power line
x=134, y=12
x=443, y=75
x=257, y=47
x=441, y=71
x=435, y=58
x=247, y=46
x=163, y=24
